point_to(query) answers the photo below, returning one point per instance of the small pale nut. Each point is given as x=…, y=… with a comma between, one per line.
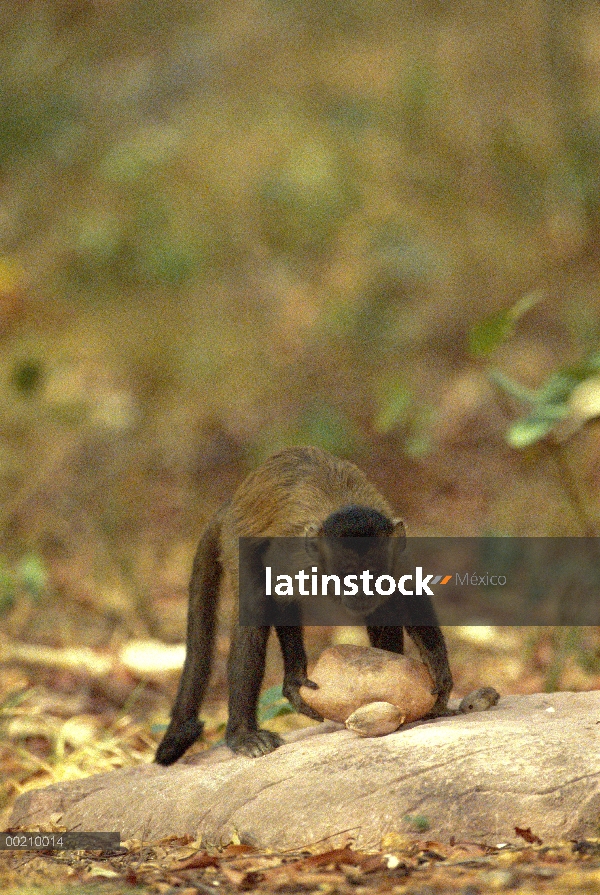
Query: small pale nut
x=375, y=719
x=479, y=700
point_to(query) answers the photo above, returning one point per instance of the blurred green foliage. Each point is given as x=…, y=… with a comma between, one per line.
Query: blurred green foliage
x=27, y=577
x=417, y=822
x=28, y=376
x=547, y=405
x=304, y=201
x=491, y=332
x=272, y=704
x=227, y=228
x=30, y=572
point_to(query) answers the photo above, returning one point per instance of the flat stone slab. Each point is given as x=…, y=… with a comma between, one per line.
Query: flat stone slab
x=530, y=761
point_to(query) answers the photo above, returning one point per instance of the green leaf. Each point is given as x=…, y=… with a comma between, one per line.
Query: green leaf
x=527, y=432
x=524, y=304
x=271, y=696
x=15, y=698
x=513, y=389
x=557, y=388
x=273, y=704
x=487, y=335
x=304, y=200
x=276, y=711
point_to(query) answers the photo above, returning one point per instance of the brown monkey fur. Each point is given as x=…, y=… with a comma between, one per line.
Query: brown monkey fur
x=295, y=492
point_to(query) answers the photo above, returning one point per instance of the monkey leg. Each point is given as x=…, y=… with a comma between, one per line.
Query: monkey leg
x=245, y=669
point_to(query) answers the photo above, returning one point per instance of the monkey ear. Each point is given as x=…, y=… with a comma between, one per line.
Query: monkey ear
x=311, y=533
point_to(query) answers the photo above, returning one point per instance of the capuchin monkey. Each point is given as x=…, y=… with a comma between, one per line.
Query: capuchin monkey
x=297, y=493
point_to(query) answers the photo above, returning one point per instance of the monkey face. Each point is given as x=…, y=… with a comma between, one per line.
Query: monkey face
x=358, y=545
x=359, y=563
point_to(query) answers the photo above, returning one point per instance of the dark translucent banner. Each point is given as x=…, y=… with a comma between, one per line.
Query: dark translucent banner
x=420, y=581
x=23, y=841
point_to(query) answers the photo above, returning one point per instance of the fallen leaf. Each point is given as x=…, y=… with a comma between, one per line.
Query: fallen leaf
x=197, y=862
x=528, y=836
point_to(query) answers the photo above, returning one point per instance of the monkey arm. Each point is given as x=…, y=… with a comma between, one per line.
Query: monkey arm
x=294, y=669
x=432, y=647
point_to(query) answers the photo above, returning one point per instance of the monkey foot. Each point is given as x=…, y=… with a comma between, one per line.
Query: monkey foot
x=253, y=743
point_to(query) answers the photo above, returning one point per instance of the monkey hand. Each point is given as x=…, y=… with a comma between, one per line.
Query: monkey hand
x=442, y=691
x=291, y=691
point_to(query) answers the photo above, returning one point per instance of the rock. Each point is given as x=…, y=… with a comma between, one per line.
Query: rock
x=530, y=761
x=375, y=719
x=352, y=676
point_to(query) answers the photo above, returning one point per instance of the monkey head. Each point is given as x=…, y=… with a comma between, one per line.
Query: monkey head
x=351, y=540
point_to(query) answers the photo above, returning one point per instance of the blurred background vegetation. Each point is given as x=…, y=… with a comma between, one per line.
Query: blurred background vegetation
x=228, y=227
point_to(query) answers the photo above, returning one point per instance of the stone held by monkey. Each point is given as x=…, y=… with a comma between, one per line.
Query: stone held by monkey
x=298, y=492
